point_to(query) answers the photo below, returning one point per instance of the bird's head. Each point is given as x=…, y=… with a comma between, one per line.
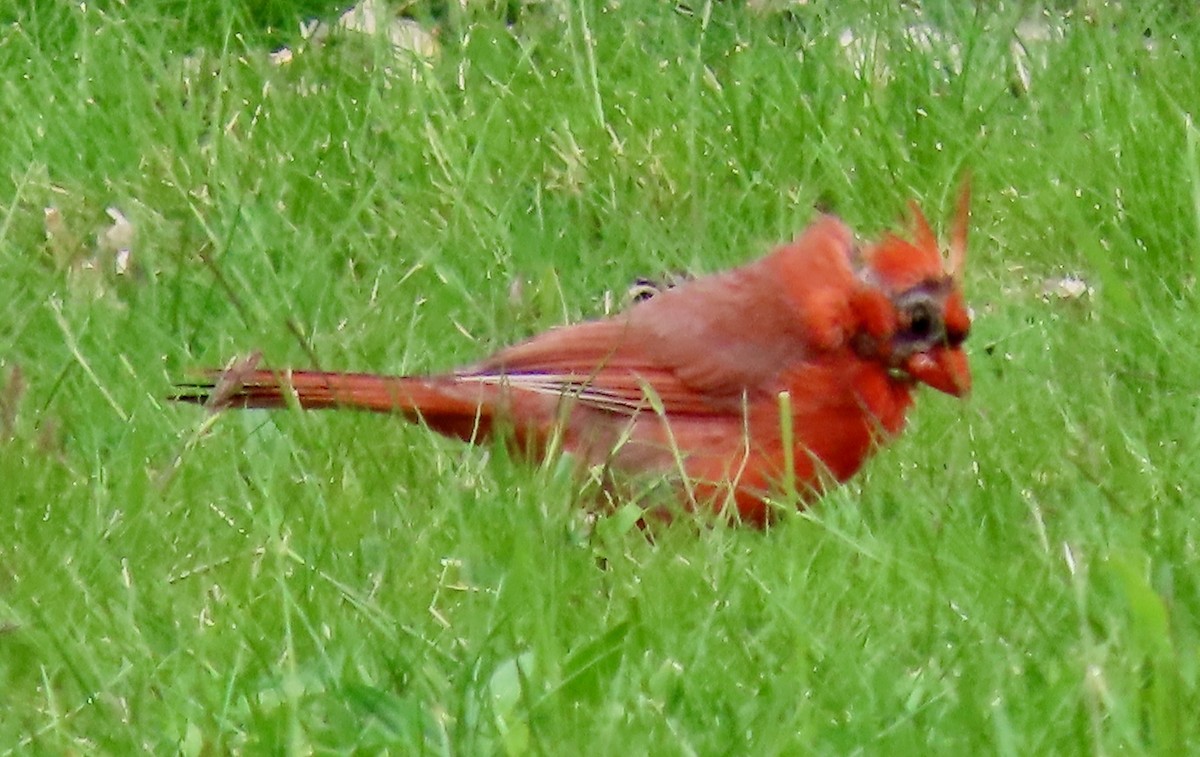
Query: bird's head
x=925, y=293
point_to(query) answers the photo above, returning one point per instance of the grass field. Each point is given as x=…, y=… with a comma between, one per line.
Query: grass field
x=1018, y=574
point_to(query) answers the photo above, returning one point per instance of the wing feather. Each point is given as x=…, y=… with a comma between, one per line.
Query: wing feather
x=705, y=347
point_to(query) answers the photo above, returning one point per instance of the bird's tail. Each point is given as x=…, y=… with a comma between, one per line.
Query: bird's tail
x=440, y=402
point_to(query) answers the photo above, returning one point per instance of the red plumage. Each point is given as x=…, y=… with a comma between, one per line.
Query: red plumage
x=793, y=367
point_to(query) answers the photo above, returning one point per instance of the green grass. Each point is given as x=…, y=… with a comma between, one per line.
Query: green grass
x=1018, y=574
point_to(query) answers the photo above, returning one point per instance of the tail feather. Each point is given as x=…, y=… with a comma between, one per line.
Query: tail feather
x=438, y=401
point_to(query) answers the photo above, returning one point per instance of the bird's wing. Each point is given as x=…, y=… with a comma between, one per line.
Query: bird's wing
x=704, y=347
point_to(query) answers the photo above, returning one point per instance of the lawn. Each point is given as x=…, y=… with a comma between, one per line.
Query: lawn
x=1017, y=574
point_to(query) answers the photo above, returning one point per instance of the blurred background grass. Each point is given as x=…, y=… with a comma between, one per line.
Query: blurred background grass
x=1017, y=574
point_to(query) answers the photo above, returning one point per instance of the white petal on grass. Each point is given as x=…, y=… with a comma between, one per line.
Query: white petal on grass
x=373, y=17
x=1028, y=50
x=118, y=239
x=1070, y=287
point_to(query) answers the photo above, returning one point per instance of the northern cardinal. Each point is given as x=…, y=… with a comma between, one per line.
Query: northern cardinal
x=785, y=372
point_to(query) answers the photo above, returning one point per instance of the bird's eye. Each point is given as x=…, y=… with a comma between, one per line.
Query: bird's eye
x=922, y=321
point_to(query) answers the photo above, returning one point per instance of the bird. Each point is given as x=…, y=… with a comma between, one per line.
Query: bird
x=763, y=384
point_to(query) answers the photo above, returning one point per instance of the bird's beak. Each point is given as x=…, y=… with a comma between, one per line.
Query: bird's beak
x=944, y=368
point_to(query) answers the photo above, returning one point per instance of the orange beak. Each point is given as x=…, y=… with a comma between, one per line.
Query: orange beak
x=943, y=368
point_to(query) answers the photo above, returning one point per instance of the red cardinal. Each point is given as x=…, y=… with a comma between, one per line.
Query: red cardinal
x=784, y=373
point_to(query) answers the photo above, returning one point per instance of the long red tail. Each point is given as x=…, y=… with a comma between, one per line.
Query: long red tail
x=438, y=401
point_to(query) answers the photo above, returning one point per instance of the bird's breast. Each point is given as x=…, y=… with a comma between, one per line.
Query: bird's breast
x=842, y=409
